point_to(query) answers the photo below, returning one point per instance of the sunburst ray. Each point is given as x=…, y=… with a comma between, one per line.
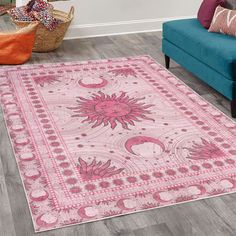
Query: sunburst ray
x=112, y=109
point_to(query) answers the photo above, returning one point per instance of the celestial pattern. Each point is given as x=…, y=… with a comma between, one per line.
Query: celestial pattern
x=105, y=109
x=97, y=170
x=99, y=139
x=123, y=72
x=140, y=140
x=103, y=83
x=43, y=80
x=205, y=150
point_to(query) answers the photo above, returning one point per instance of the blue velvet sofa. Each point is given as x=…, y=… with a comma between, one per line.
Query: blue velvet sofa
x=209, y=56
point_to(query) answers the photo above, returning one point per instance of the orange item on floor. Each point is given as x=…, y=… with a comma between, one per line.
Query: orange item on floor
x=16, y=47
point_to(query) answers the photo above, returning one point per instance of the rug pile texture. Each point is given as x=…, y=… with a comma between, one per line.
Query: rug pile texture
x=99, y=139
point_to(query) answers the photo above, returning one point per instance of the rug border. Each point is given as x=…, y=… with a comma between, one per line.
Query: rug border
x=124, y=214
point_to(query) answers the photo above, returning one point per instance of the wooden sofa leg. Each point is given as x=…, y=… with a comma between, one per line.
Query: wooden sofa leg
x=233, y=108
x=167, y=61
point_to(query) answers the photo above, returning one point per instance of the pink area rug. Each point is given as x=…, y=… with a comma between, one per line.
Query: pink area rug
x=100, y=139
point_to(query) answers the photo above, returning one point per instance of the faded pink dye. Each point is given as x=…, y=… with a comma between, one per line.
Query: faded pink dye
x=104, y=138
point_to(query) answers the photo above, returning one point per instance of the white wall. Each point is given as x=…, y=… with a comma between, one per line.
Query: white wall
x=102, y=17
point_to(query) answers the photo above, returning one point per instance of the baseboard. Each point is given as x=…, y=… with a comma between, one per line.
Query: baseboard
x=117, y=28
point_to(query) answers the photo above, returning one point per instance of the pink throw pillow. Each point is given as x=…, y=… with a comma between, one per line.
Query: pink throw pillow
x=206, y=11
x=224, y=21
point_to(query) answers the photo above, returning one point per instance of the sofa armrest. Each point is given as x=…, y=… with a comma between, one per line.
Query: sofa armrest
x=234, y=69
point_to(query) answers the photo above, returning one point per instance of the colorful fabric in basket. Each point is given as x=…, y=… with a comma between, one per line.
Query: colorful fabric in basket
x=21, y=14
x=47, y=19
x=39, y=5
x=36, y=10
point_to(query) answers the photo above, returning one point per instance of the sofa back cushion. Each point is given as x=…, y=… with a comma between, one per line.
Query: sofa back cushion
x=16, y=47
x=230, y=4
x=224, y=21
x=206, y=11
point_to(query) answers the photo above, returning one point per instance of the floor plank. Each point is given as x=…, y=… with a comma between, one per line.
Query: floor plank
x=6, y=220
x=157, y=230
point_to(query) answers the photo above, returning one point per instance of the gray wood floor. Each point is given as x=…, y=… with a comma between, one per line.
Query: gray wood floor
x=210, y=217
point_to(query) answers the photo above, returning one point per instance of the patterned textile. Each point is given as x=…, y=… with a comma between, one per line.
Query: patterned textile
x=41, y=5
x=224, y=21
x=36, y=10
x=47, y=19
x=99, y=139
x=21, y=14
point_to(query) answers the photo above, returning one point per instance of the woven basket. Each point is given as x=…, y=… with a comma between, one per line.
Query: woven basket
x=47, y=40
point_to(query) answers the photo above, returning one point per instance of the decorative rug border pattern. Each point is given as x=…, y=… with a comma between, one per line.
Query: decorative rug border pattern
x=150, y=200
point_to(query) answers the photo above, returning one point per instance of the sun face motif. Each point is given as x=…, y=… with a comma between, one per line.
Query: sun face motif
x=205, y=150
x=106, y=109
x=47, y=79
x=123, y=72
x=97, y=170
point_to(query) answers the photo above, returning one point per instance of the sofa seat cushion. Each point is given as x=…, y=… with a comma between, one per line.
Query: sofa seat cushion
x=218, y=51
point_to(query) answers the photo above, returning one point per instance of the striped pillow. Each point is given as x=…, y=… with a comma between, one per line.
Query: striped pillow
x=224, y=21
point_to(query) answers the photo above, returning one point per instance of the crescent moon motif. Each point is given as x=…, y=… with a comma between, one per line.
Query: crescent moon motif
x=99, y=85
x=196, y=189
x=228, y=183
x=87, y=212
x=126, y=204
x=141, y=140
x=47, y=220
